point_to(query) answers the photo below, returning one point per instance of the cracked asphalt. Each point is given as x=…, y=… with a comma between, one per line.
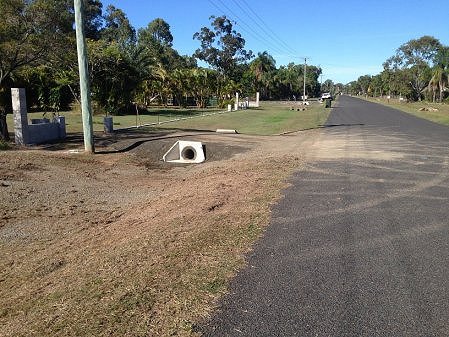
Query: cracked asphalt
x=359, y=245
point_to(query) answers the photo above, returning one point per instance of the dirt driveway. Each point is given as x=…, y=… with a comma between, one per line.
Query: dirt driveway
x=123, y=244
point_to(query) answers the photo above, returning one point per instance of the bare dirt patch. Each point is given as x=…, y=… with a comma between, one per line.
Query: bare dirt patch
x=123, y=244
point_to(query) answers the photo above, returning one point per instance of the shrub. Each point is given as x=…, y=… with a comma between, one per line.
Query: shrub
x=4, y=145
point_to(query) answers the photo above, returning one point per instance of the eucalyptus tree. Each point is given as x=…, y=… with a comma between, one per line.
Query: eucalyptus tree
x=416, y=56
x=352, y=88
x=159, y=31
x=157, y=39
x=222, y=47
x=118, y=28
x=364, y=83
x=93, y=18
x=377, y=85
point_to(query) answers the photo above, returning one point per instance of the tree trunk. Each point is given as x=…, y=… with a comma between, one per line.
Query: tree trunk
x=4, y=135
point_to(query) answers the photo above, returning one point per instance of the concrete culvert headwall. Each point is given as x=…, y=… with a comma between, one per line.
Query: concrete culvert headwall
x=185, y=152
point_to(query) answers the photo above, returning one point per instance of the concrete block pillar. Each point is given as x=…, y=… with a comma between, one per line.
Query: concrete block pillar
x=236, y=107
x=229, y=107
x=257, y=99
x=19, y=107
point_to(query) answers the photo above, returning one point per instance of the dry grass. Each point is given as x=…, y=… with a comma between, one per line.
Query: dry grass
x=114, y=249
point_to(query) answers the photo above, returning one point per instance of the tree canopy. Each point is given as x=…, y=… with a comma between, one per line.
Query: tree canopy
x=222, y=47
x=418, y=70
x=38, y=52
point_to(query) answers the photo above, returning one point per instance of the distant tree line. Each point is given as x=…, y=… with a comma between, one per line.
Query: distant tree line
x=418, y=71
x=127, y=67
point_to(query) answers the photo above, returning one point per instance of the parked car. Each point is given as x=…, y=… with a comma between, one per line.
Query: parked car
x=326, y=95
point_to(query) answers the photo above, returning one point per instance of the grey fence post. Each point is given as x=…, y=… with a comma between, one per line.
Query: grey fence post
x=108, y=124
x=62, y=130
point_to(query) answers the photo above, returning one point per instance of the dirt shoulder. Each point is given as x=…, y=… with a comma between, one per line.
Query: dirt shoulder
x=123, y=244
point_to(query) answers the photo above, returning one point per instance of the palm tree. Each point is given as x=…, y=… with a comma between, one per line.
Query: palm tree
x=259, y=67
x=438, y=82
x=203, y=85
x=160, y=82
x=442, y=60
x=178, y=85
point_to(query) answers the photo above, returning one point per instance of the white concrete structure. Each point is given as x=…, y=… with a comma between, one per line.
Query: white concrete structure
x=252, y=104
x=185, y=152
x=226, y=131
x=236, y=105
x=40, y=130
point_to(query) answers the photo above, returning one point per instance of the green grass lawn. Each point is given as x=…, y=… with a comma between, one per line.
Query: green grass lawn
x=271, y=118
x=74, y=121
x=441, y=116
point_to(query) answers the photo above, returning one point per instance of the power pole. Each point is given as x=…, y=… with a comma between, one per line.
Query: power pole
x=86, y=108
x=304, y=91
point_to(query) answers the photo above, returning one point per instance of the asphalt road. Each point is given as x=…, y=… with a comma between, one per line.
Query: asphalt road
x=359, y=246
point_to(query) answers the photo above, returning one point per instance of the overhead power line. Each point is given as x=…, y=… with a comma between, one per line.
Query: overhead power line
x=246, y=27
x=253, y=32
x=264, y=26
x=230, y=17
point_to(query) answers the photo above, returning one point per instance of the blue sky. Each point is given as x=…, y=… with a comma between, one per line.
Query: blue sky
x=347, y=38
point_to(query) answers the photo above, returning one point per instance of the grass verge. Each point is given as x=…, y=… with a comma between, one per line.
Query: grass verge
x=435, y=112
x=74, y=121
x=145, y=256
x=271, y=118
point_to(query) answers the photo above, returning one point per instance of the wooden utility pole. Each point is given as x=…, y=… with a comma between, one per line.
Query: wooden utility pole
x=86, y=108
x=304, y=91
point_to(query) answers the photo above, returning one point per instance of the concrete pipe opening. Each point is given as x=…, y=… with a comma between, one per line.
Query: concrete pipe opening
x=188, y=153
